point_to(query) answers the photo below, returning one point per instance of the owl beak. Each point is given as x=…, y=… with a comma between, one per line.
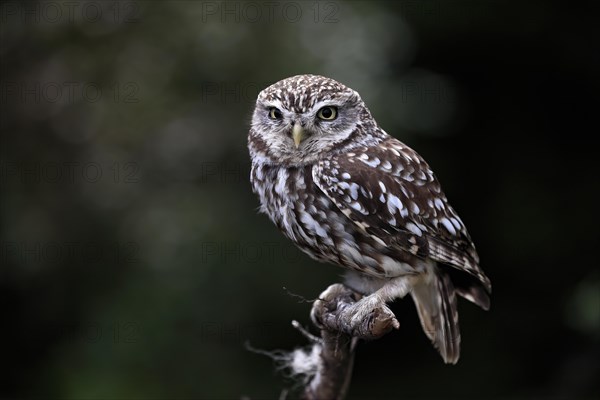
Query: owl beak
x=297, y=134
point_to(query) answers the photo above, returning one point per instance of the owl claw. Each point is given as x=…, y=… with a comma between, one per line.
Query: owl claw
x=334, y=297
x=373, y=309
x=338, y=309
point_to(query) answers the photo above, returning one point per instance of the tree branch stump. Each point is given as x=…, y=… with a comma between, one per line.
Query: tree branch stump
x=342, y=323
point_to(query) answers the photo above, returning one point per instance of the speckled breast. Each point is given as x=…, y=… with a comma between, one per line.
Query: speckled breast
x=311, y=220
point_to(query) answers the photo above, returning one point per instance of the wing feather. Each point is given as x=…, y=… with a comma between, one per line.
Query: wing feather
x=390, y=193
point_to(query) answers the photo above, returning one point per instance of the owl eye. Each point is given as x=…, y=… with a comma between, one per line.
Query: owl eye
x=327, y=113
x=274, y=113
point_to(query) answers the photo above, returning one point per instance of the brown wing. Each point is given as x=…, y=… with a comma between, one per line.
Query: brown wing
x=390, y=192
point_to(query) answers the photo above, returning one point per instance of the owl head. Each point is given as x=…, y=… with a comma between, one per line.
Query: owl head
x=298, y=119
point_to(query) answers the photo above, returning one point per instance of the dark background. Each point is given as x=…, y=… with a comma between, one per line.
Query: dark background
x=134, y=263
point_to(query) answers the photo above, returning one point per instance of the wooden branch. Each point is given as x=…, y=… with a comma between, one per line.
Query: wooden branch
x=335, y=310
x=342, y=324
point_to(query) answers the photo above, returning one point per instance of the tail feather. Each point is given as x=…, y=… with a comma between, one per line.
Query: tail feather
x=436, y=301
x=476, y=295
x=468, y=287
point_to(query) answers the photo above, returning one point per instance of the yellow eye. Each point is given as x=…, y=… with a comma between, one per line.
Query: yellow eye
x=327, y=113
x=274, y=113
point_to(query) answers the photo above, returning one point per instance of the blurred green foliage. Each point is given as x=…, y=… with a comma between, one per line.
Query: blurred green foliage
x=134, y=263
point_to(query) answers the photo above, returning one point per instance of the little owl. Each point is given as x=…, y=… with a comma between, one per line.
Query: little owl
x=347, y=193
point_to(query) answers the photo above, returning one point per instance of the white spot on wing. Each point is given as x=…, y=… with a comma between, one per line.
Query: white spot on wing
x=378, y=240
x=448, y=225
x=382, y=186
x=395, y=152
x=354, y=190
x=415, y=208
x=373, y=163
x=358, y=207
x=413, y=228
x=386, y=165
x=455, y=223
x=394, y=203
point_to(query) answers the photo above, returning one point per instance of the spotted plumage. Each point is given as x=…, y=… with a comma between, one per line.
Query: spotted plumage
x=347, y=193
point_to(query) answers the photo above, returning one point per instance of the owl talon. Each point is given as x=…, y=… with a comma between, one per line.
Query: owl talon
x=336, y=296
x=373, y=314
x=338, y=309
